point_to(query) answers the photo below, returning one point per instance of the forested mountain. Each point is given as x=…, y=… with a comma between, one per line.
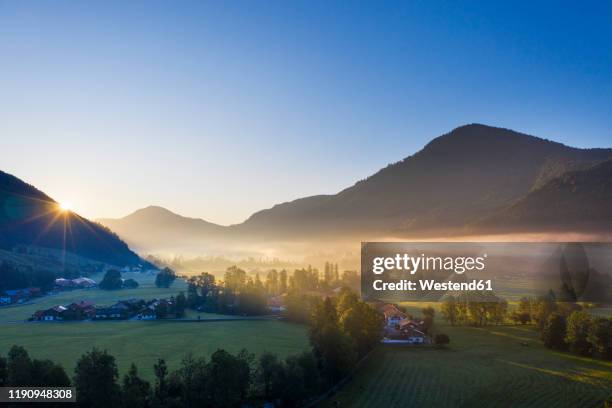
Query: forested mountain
x=457, y=178
x=30, y=217
x=575, y=201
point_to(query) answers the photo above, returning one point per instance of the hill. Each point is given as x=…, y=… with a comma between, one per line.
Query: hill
x=458, y=177
x=577, y=200
x=28, y=217
x=155, y=227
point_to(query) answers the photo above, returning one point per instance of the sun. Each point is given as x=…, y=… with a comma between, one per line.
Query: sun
x=65, y=206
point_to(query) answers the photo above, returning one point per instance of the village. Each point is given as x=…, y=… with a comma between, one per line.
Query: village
x=135, y=309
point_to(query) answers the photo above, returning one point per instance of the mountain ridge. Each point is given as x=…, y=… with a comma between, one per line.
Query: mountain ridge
x=468, y=174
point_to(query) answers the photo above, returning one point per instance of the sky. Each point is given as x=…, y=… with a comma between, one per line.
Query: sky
x=219, y=109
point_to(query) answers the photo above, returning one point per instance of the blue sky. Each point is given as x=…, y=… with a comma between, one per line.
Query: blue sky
x=219, y=109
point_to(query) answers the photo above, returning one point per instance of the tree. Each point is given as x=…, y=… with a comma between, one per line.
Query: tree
x=130, y=284
x=228, y=378
x=282, y=281
x=161, y=310
x=269, y=376
x=578, y=327
x=272, y=282
x=3, y=372
x=429, y=315
x=360, y=321
x=165, y=278
x=193, y=299
x=441, y=340
x=553, y=332
x=111, y=281
x=136, y=392
x=302, y=377
x=235, y=279
x=333, y=348
x=45, y=373
x=96, y=380
x=180, y=304
x=600, y=336
x=161, y=382
x=449, y=310
x=193, y=378
x=19, y=367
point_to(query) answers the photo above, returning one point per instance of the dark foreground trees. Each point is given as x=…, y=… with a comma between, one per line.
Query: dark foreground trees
x=95, y=379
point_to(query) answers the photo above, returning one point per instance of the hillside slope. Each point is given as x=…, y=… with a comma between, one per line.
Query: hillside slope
x=576, y=200
x=30, y=217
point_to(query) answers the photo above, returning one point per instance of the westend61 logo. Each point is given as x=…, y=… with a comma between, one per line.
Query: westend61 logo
x=486, y=271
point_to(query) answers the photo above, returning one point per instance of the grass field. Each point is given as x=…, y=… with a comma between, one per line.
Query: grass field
x=481, y=368
x=144, y=342
x=137, y=341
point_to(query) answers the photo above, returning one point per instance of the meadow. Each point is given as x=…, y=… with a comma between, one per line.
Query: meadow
x=140, y=342
x=482, y=367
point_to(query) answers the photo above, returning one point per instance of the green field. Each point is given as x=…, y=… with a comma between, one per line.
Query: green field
x=139, y=341
x=481, y=368
x=144, y=342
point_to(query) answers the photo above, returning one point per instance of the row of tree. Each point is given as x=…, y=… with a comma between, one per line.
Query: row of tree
x=475, y=309
x=567, y=326
x=238, y=293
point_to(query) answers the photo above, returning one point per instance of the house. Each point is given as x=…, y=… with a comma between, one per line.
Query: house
x=35, y=291
x=118, y=311
x=276, y=304
x=148, y=313
x=83, y=282
x=5, y=299
x=80, y=310
x=17, y=295
x=54, y=313
x=393, y=316
x=64, y=283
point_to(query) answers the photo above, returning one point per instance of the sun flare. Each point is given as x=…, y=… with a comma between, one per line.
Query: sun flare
x=65, y=206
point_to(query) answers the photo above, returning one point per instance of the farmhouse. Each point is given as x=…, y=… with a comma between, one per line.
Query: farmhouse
x=276, y=304
x=148, y=313
x=55, y=313
x=77, y=283
x=80, y=310
x=393, y=316
x=118, y=311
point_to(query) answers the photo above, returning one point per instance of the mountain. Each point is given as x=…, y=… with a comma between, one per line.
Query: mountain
x=452, y=186
x=575, y=201
x=457, y=178
x=155, y=227
x=29, y=217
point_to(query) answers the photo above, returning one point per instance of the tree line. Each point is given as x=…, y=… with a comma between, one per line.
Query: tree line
x=241, y=293
x=568, y=326
x=476, y=309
